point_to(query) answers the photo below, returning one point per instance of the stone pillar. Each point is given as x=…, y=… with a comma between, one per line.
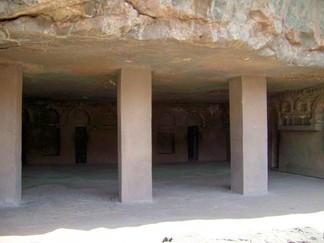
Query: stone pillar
x=10, y=134
x=248, y=131
x=134, y=104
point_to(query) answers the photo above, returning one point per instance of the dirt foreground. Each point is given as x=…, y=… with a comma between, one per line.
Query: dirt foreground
x=192, y=203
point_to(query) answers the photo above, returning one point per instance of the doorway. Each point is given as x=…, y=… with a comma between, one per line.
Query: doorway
x=81, y=145
x=24, y=144
x=193, y=142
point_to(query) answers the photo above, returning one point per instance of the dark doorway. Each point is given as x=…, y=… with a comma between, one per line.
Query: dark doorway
x=193, y=142
x=24, y=144
x=81, y=145
x=24, y=137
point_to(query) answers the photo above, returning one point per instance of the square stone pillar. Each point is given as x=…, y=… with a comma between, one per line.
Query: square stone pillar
x=10, y=134
x=248, y=131
x=134, y=104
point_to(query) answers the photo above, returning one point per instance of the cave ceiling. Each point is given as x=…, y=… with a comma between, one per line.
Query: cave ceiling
x=75, y=49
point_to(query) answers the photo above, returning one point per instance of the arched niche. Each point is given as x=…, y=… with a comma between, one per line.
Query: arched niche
x=79, y=117
x=194, y=119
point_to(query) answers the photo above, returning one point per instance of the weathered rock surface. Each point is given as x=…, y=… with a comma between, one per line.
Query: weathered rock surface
x=289, y=30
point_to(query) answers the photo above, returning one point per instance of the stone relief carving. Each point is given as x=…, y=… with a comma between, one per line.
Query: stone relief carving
x=201, y=115
x=195, y=119
x=103, y=116
x=299, y=110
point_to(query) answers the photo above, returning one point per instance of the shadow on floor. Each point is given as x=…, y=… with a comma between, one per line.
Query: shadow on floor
x=85, y=198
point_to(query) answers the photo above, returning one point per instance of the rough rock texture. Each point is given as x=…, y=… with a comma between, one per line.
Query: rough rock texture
x=289, y=30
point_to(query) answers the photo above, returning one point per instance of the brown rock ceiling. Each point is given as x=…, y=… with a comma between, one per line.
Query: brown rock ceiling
x=74, y=49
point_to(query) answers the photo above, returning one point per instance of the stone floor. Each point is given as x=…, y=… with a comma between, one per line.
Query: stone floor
x=192, y=203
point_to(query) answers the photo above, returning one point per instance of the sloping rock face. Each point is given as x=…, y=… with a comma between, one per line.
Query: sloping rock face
x=289, y=30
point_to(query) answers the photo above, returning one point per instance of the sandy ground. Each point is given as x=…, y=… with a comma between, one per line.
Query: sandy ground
x=192, y=203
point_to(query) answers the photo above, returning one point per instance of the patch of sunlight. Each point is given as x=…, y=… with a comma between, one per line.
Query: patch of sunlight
x=221, y=230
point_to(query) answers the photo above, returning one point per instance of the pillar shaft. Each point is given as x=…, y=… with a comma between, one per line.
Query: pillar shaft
x=134, y=100
x=248, y=131
x=10, y=134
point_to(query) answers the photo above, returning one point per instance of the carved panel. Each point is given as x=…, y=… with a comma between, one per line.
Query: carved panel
x=298, y=110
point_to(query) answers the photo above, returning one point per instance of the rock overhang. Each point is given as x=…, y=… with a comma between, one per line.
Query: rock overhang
x=193, y=47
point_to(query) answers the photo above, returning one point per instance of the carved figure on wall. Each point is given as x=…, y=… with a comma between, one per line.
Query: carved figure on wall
x=297, y=110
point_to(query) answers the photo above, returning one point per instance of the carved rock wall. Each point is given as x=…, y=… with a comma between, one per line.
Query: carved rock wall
x=297, y=135
x=50, y=126
x=47, y=142
x=213, y=132
x=287, y=29
x=299, y=110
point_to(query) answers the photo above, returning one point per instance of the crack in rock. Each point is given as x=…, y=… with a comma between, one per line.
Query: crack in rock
x=139, y=11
